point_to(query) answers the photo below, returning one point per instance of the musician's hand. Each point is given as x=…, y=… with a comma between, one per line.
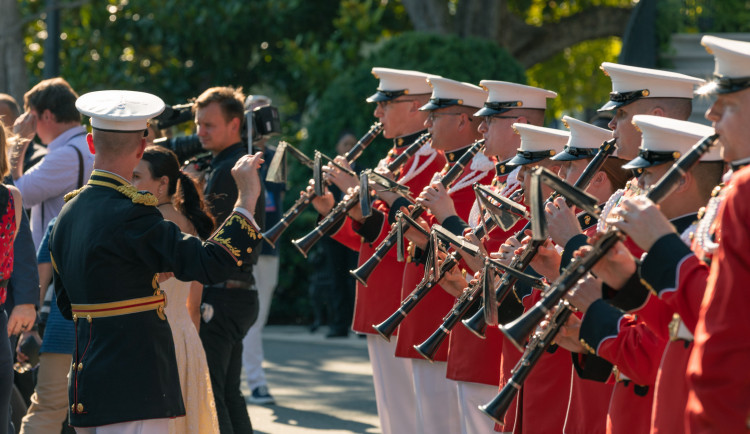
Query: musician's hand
x=507, y=251
x=561, y=221
x=435, y=198
x=356, y=212
x=416, y=237
x=547, y=261
x=382, y=171
x=322, y=204
x=586, y=291
x=642, y=220
x=474, y=262
x=615, y=268
x=338, y=177
x=454, y=281
x=568, y=336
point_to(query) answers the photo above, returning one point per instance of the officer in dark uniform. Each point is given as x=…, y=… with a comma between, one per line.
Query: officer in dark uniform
x=108, y=247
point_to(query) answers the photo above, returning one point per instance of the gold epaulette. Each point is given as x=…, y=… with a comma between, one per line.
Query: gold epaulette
x=136, y=196
x=72, y=194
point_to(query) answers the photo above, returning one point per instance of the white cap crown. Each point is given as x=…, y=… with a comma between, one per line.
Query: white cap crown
x=119, y=110
x=731, y=65
x=504, y=96
x=664, y=140
x=630, y=83
x=447, y=92
x=397, y=82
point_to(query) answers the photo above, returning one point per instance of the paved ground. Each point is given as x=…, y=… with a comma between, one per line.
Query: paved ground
x=320, y=385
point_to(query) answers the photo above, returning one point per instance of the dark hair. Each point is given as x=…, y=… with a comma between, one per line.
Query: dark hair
x=229, y=99
x=55, y=95
x=187, y=198
x=11, y=103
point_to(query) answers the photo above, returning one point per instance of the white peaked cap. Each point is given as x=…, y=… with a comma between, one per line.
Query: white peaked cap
x=397, y=82
x=537, y=143
x=664, y=140
x=504, y=96
x=585, y=140
x=119, y=110
x=631, y=83
x=447, y=93
x=732, y=65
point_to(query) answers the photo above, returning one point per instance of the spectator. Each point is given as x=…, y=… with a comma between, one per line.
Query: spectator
x=51, y=115
x=229, y=308
x=49, y=403
x=12, y=213
x=266, y=273
x=9, y=112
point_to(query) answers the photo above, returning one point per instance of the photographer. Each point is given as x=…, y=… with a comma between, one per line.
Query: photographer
x=229, y=308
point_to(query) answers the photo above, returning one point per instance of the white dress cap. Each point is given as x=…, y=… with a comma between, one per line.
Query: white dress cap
x=631, y=83
x=447, y=92
x=585, y=140
x=119, y=110
x=537, y=143
x=732, y=65
x=664, y=140
x=397, y=82
x=504, y=96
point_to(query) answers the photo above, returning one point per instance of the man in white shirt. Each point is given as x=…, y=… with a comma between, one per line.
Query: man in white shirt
x=51, y=115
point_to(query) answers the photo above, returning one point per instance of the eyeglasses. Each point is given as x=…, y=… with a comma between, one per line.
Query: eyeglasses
x=488, y=119
x=384, y=104
x=431, y=117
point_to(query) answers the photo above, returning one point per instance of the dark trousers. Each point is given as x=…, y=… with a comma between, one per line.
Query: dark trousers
x=6, y=375
x=235, y=311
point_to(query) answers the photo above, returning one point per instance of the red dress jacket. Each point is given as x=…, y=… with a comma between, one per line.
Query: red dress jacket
x=382, y=295
x=427, y=316
x=719, y=399
x=471, y=358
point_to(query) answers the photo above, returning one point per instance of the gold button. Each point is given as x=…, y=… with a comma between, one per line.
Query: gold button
x=73, y=408
x=249, y=250
x=80, y=366
x=80, y=408
x=88, y=317
x=239, y=263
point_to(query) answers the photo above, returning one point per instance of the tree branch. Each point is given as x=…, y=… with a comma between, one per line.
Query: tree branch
x=533, y=44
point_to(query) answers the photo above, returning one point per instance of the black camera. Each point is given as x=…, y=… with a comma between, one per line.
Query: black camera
x=174, y=115
x=260, y=122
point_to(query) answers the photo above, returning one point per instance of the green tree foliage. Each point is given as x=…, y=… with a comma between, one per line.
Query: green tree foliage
x=177, y=49
x=342, y=106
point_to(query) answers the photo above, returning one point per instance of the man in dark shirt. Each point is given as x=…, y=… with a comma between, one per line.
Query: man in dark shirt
x=229, y=308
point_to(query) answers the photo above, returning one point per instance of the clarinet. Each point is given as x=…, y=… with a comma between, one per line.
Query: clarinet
x=272, y=235
x=519, y=330
x=387, y=327
x=363, y=272
x=538, y=344
x=520, y=262
x=338, y=213
x=467, y=301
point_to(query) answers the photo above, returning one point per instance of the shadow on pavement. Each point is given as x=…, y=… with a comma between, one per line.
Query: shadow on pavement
x=314, y=420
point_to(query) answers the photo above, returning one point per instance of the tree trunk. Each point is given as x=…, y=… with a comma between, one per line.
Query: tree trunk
x=527, y=43
x=13, y=78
